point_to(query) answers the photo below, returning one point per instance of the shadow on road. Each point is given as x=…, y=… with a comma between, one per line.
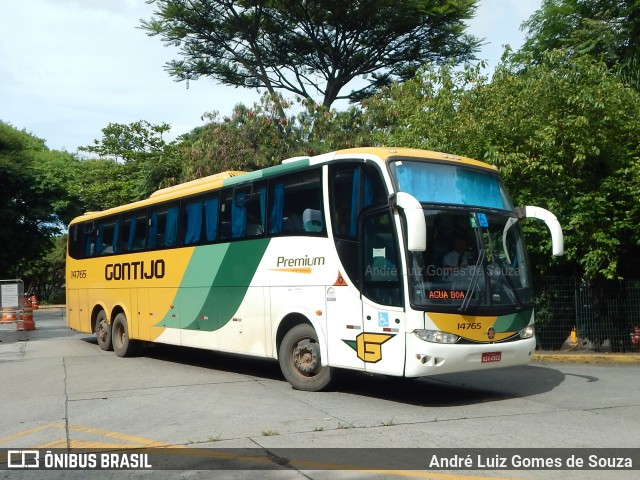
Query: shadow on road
x=457, y=389
x=444, y=390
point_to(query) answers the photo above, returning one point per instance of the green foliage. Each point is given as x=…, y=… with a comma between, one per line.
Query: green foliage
x=28, y=203
x=103, y=184
x=605, y=29
x=141, y=161
x=131, y=143
x=248, y=139
x=45, y=274
x=311, y=49
x=323, y=129
x=258, y=136
x=55, y=174
x=426, y=112
x=564, y=132
x=552, y=328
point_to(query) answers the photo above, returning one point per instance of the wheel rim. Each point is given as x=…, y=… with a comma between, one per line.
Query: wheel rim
x=119, y=335
x=306, y=358
x=101, y=330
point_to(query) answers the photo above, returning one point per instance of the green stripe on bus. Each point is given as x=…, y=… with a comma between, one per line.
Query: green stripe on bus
x=214, y=284
x=513, y=322
x=266, y=172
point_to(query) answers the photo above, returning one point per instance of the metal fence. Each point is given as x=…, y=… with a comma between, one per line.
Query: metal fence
x=566, y=304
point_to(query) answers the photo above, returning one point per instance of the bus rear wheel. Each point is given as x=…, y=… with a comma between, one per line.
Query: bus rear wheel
x=123, y=346
x=103, y=331
x=299, y=358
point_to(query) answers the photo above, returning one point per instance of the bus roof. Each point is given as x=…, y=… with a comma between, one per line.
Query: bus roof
x=228, y=178
x=388, y=152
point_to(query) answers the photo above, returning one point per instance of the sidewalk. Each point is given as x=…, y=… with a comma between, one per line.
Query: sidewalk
x=572, y=352
x=585, y=357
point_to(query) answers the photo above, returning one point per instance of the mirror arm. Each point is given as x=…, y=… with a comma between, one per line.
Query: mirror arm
x=557, y=237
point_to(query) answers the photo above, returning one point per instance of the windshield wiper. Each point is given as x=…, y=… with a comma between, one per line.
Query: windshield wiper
x=474, y=281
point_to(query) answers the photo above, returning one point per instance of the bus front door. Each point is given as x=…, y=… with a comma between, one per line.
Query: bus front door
x=381, y=345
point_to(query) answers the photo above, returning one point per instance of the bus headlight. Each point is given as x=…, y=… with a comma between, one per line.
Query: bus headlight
x=435, y=336
x=528, y=331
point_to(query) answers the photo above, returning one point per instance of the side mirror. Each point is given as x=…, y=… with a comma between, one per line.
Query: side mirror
x=416, y=224
x=557, y=238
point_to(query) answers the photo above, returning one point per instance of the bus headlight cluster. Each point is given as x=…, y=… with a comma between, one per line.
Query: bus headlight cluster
x=527, y=332
x=435, y=336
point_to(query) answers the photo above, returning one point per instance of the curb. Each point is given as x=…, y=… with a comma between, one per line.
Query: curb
x=587, y=357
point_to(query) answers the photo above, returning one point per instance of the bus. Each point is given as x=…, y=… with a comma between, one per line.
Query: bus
x=391, y=261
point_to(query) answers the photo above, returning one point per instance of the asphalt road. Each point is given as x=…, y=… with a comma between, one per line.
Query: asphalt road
x=60, y=391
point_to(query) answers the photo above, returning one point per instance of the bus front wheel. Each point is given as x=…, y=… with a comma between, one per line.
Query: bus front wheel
x=103, y=331
x=299, y=357
x=122, y=344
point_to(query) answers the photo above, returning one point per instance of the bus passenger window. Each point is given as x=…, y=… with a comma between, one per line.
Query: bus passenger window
x=163, y=228
x=211, y=219
x=245, y=215
x=200, y=223
x=192, y=222
x=107, y=238
x=256, y=209
x=296, y=204
x=354, y=186
x=75, y=238
x=225, y=215
x=135, y=232
x=89, y=239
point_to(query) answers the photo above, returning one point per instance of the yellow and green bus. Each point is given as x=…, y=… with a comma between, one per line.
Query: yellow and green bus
x=391, y=261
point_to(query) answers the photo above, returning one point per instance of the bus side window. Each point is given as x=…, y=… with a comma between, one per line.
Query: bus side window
x=211, y=219
x=225, y=214
x=107, y=238
x=255, y=210
x=295, y=204
x=135, y=232
x=192, y=224
x=200, y=224
x=75, y=240
x=163, y=227
x=354, y=186
x=89, y=239
x=243, y=212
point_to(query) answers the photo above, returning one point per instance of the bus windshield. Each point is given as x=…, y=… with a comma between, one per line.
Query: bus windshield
x=441, y=183
x=475, y=262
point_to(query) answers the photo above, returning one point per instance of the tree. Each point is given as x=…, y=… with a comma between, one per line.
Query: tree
x=55, y=174
x=27, y=212
x=248, y=139
x=566, y=135
x=45, y=274
x=564, y=132
x=252, y=137
x=144, y=161
x=102, y=184
x=311, y=48
x=606, y=29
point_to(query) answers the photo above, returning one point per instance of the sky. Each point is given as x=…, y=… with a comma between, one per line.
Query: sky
x=68, y=68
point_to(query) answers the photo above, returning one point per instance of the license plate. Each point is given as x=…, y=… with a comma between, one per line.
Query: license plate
x=491, y=357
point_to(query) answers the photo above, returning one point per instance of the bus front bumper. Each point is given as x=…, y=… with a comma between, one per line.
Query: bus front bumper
x=425, y=358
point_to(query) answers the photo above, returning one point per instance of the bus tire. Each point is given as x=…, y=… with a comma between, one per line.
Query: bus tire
x=299, y=358
x=122, y=344
x=103, y=331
